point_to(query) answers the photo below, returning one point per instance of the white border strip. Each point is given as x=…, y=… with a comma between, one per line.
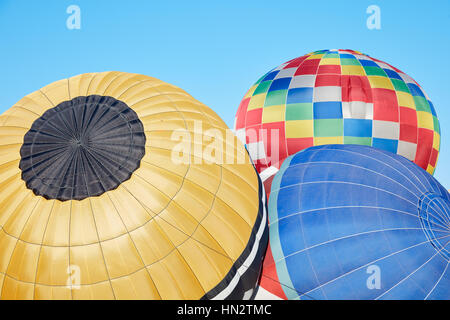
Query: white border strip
x=267, y=173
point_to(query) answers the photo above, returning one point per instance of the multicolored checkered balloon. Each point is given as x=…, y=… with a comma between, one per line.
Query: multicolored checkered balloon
x=337, y=97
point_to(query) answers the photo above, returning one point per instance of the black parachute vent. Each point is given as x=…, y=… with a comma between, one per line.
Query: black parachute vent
x=82, y=148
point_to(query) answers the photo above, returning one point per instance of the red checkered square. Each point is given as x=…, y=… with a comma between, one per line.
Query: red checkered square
x=308, y=67
x=424, y=148
x=275, y=131
x=306, y=70
x=242, y=110
x=356, y=88
x=385, y=105
x=253, y=117
x=408, y=125
x=408, y=116
x=296, y=144
x=355, y=81
x=434, y=157
x=328, y=80
x=408, y=133
x=311, y=63
x=329, y=69
x=295, y=62
x=253, y=134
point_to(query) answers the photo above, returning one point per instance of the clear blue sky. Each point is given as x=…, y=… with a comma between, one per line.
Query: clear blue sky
x=215, y=50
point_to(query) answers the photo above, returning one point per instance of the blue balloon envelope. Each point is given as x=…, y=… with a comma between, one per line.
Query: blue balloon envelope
x=355, y=222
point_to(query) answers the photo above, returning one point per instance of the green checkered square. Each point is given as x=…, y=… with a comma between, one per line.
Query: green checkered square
x=375, y=71
x=365, y=141
x=437, y=127
x=299, y=111
x=350, y=62
x=400, y=85
x=328, y=127
x=331, y=55
x=263, y=87
x=422, y=104
x=275, y=98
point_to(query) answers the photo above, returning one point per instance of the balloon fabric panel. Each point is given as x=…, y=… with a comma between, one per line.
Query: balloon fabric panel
x=337, y=97
x=337, y=210
x=112, y=221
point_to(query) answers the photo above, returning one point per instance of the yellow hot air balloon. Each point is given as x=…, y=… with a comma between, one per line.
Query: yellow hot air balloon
x=93, y=205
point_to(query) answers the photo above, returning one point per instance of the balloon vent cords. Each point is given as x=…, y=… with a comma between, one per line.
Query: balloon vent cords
x=434, y=213
x=82, y=148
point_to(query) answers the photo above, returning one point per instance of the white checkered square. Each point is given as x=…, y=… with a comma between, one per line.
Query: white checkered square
x=240, y=133
x=407, y=149
x=281, y=66
x=357, y=110
x=286, y=73
x=304, y=80
x=386, y=130
x=323, y=94
x=384, y=65
x=256, y=150
x=406, y=78
x=361, y=57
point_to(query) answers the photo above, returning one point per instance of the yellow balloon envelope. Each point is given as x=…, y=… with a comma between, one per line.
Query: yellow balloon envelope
x=94, y=206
